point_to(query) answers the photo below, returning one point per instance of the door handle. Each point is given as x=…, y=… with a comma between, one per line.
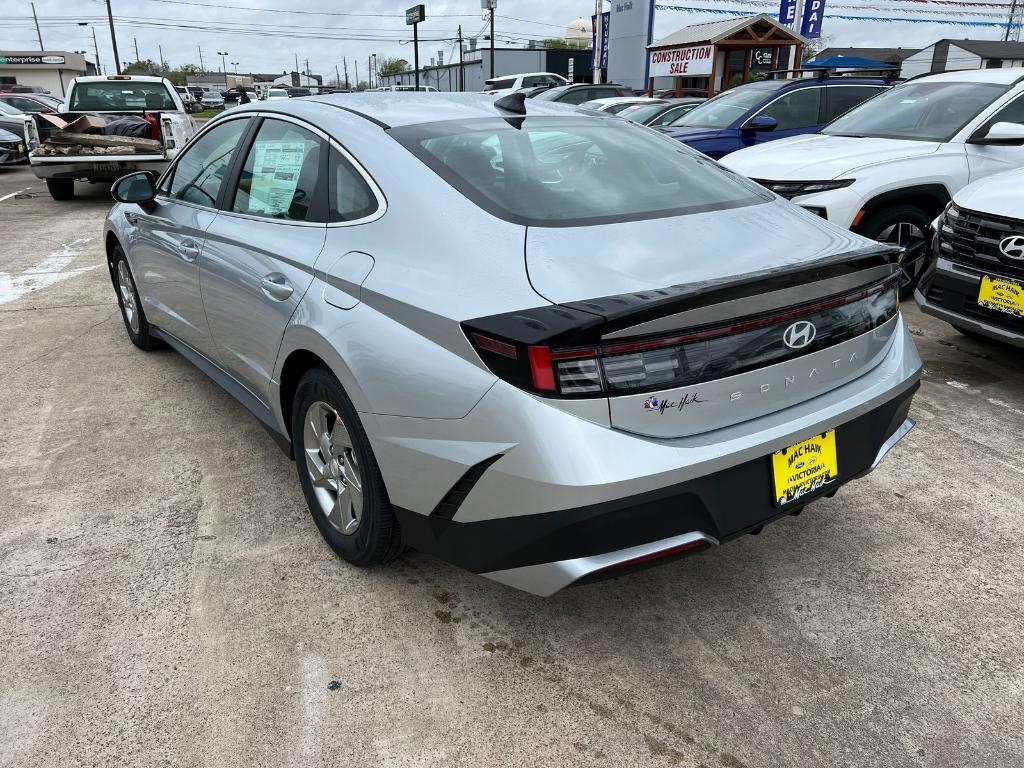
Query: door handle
x=275, y=285
x=188, y=250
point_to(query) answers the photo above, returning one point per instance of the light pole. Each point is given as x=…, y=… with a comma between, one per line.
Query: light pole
x=234, y=67
x=490, y=5
x=95, y=45
x=224, y=66
x=113, y=38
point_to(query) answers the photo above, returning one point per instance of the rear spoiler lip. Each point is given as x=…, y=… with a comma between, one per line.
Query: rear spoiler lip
x=585, y=322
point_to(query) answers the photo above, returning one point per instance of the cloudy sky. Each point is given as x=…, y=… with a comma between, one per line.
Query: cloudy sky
x=265, y=36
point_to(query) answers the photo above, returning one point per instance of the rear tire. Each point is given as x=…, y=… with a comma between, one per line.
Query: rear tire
x=339, y=475
x=135, y=321
x=61, y=189
x=905, y=225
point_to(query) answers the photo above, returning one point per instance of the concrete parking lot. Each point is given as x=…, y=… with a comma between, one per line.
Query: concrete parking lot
x=166, y=601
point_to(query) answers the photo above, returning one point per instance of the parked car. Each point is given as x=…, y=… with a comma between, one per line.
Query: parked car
x=580, y=402
x=670, y=93
x=888, y=168
x=616, y=104
x=212, y=100
x=502, y=86
x=31, y=102
x=276, y=93
x=12, y=120
x=190, y=102
x=16, y=88
x=12, y=148
x=422, y=88
x=297, y=92
x=197, y=93
x=577, y=94
x=111, y=95
x=661, y=111
x=770, y=110
x=975, y=280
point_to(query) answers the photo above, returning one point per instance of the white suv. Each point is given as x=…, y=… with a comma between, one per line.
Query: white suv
x=501, y=86
x=976, y=281
x=888, y=167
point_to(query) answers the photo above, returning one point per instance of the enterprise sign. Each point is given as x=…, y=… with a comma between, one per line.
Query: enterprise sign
x=5, y=59
x=688, y=61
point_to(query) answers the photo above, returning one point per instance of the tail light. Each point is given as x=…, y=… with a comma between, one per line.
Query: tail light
x=514, y=347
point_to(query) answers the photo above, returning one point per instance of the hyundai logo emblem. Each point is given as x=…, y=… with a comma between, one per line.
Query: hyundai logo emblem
x=1012, y=247
x=799, y=334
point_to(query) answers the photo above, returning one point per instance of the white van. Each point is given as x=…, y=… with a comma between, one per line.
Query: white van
x=500, y=86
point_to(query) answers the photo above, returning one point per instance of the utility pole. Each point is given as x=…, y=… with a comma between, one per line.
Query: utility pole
x=337, y=75
x=40, y=34
x=296, y=63
x=113, y=39
x=137, y=59
x=369, y=68
x=161, y=49
x=492, y=4
x=344, y=63
x=462, y=71
x=599, y=42
x=202, y=67
x=96, y=47
x=356, y=62
x=1006, y=35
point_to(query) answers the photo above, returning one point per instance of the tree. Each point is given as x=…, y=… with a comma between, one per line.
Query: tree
x=557, y=42
x=180, y=75
x=815, y=46
x=392, y=65
x=146, y=67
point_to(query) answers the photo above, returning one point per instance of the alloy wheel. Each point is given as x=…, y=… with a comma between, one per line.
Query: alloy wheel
x=124, y=284
x=333, y=467
x=914, y=242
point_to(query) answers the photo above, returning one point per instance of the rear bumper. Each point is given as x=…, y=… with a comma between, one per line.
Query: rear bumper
x=950, y=291
x=546, y=552
x=110, y=168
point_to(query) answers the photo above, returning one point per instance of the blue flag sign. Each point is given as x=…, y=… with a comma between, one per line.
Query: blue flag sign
x=814, y=14
x=787, y=12
x=605, y=25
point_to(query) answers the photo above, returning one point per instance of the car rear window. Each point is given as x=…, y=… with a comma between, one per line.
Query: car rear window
x=119, y=94
x=568, y=171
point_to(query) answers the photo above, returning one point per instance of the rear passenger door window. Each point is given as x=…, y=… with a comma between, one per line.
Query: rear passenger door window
x=841, y=99
x=281, y=175
x=797, y=110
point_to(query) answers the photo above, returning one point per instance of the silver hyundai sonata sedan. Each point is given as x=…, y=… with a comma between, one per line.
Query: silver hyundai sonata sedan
x=543, y=345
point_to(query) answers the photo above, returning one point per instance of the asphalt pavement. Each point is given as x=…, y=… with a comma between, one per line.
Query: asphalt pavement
x=166, y=600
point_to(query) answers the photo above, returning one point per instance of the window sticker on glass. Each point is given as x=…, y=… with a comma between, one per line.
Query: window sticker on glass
x=275, y=176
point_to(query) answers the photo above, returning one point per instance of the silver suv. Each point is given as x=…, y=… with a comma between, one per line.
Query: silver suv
x=544, y=345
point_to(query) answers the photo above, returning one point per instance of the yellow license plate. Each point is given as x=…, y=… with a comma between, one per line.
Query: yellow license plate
x=1002, y=296
x=805, y=467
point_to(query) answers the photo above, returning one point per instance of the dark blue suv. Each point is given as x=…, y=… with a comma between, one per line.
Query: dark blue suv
x=770, y=109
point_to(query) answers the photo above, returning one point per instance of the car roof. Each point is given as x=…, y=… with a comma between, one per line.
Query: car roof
x=520, y=74
x=397, y=108
x=1007, y=76
x=105, y=78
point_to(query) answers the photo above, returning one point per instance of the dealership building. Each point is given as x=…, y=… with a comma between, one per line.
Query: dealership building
x=52, y=70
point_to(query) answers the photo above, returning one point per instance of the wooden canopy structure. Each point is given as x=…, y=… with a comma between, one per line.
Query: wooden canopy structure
x=720, y=54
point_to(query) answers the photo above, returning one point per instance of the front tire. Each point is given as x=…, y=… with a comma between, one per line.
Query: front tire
x=339, y=475
x=135, y=321
x=906, y=226
x=61, y=189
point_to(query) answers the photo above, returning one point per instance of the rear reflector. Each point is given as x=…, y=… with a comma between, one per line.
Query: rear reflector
x=493, y=345
x=656, y=555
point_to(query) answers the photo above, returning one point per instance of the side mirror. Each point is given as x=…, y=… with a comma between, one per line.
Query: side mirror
x=1001, y=133
x=761, y=123
x=138, y=188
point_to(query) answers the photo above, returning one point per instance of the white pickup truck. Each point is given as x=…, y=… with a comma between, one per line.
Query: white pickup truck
x=107, y=97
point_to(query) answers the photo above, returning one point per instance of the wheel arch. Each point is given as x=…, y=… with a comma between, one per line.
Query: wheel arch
x=931, y=198
x=304, y=349
x=110, y=241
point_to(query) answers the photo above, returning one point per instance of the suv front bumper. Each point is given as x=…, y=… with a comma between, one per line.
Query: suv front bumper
x=950, y=292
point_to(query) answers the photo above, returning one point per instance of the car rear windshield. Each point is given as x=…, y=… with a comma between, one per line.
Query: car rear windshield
x=920, y=111
x=728, y=107
x=574, y=171
x=119, y=94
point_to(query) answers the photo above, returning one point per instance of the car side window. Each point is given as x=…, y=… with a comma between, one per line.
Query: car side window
x=578, y=96
x=25, y=105
x=841, y=99
x=200, y=172
x=351, y=197
x=799, y=109
x=1011, y=113
x=280, y=177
